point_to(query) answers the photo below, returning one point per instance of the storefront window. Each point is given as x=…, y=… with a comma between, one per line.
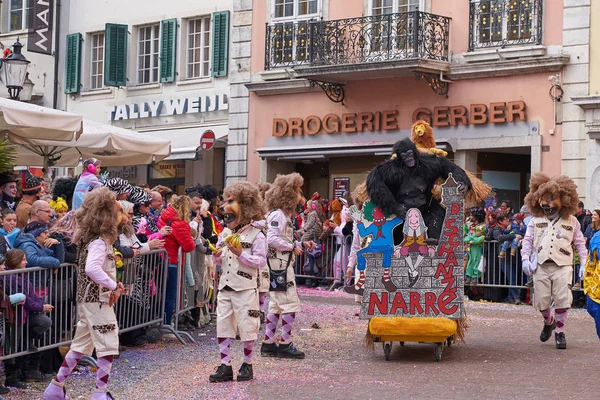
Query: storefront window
x=168, y=170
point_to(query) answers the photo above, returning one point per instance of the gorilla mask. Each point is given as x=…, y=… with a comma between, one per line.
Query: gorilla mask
x=406, y=152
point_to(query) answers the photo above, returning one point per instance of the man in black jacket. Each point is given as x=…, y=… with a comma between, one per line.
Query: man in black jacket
x=583, y=216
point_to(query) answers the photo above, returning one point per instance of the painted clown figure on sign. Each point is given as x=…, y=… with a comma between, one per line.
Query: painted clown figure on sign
x=415, y=236
x=380, y=227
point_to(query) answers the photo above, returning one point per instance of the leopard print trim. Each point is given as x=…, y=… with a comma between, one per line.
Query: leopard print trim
x=254, y=313
x=541, y=225
x=567, y=227
x=290, y=284
x=104, y=328
x=565, y=252
x=272, y=252
x=244, y=275
x=246, y=245
x=265, y=274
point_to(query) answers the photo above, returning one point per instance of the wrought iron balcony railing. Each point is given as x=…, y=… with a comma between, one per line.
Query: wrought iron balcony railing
x=499, y=23
x=402, y=36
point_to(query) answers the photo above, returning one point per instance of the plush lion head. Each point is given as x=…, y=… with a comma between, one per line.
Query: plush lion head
x=286, y=193
x=421, y=133
x=242, y=204
x=551, y=196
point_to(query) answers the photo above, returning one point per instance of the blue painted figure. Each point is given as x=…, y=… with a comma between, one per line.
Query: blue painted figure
x=381, y=230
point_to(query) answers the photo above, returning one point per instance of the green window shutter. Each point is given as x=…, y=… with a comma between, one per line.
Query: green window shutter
x=168, y=46
x=73, y=64
x=220, y=44
x=115, y=55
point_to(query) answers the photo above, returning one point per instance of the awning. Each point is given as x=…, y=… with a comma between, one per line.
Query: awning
x=185, y=141
x=316, y=152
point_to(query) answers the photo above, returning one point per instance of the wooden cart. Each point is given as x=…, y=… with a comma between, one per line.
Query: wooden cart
x=439, y=331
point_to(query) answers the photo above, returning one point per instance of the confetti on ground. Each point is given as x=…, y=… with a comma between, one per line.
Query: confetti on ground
x=337, y=364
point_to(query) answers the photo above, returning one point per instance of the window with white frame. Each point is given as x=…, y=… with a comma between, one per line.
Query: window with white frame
x=393, y=33
x=505, y=22
x=289, y=34
x=147, y=54
x=198, y=48
x=380, y=7
x=17, y=14
x=97, y=61
x=296, y=9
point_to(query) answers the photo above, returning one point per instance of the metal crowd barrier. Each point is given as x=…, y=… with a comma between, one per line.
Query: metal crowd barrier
x=143, y=304
x=189, y=297
x=506, y=272
x=56, y=287
x=145, y=281
x=330, y=264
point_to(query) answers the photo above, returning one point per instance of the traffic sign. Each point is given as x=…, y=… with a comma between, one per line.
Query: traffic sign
x=207, y=141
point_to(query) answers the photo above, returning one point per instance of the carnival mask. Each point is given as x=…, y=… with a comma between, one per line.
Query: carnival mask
x=230, y=210
x=550, y=205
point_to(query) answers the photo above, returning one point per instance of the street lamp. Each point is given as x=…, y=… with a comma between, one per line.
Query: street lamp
x=15, y=70
x=27, y=90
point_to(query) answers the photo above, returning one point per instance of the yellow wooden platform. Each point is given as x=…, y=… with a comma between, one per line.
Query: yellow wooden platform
x=402, y=329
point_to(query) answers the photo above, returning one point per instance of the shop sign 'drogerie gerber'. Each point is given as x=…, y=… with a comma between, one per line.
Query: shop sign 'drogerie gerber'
x=389, y=120
x=415, y=278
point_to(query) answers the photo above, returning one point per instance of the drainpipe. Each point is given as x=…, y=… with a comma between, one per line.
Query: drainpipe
x=56, y=55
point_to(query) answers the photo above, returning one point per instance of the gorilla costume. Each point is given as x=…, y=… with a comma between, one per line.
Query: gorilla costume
x=405, y=181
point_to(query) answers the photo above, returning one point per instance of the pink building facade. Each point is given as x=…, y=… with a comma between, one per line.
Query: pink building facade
x=333, y=84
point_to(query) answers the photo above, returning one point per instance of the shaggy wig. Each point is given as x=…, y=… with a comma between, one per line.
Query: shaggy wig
x=181, y=205
x=66, y=226
x=248, y=196
x=127, y=227
x=208, y=193
x=360, y=195
x=97, y=217
x=283, y=193
x=64, y=187
x=561, y=186
x=263, y=187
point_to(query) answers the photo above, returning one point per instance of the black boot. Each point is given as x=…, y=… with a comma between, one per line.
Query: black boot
x=4, y=389
x=268, y=350
x=223, y=373
x=34, y=375
x=547, y=331
x=561, y=340
x=289, y=351
x=13, y=378
x=245, y=373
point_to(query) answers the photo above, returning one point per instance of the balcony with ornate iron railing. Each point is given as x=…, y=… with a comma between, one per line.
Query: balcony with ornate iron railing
x=412, y=35
x=501, y=23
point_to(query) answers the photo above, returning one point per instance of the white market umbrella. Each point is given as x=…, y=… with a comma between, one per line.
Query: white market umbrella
x=30, y=121
x=112, y=145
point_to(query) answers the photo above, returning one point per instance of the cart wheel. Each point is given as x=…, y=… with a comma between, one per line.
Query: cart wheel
x=438, y=351
x=401, y=343
x=387, y=351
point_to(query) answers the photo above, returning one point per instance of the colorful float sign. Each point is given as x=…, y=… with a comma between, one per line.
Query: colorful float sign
x=426, y=278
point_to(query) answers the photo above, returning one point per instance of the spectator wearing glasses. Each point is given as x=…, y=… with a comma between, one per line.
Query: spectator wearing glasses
x=40, y=212
x=157, y=204
x=40, y=249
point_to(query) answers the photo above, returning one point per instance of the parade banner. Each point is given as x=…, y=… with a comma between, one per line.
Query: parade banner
x=425, y=278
